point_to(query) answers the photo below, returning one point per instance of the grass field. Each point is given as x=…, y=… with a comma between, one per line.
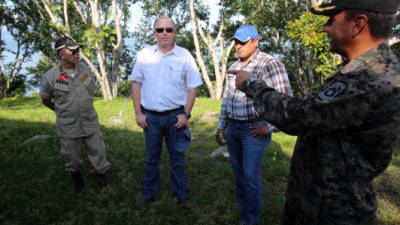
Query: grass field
x=35, y=189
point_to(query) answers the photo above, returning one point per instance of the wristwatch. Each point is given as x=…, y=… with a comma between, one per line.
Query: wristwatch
x=187, y=115
x=247, y=82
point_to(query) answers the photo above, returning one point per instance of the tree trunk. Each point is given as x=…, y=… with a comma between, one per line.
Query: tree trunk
x=200, y=60
x=220, y=64
x=107, y=79
x=3, y=84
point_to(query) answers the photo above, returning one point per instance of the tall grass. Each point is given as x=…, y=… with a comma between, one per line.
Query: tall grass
x=35, y=189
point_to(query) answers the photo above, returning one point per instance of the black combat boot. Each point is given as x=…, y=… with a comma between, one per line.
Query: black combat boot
x=78, y=182
x=101, y=180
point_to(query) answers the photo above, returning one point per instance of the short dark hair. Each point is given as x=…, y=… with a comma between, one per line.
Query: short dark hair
x=380, y=24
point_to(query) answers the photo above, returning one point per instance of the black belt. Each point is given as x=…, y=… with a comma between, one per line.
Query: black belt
x=162, y=112
x=246, y=121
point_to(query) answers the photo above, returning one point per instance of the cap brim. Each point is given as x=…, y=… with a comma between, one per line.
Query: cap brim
x=74, y=47
x=244, y=40
x=327, y=9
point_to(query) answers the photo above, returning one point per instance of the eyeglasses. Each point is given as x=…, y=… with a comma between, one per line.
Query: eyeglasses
x=161, y=29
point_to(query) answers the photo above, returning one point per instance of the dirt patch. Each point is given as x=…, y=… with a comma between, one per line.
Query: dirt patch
x=210, y=116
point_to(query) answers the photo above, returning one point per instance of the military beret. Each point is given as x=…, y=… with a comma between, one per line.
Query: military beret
x=66, y=42
x=335, y=6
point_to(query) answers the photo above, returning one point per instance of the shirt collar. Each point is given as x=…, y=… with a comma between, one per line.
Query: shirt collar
x=174, y=50
x=77, y=69
x=367, y=57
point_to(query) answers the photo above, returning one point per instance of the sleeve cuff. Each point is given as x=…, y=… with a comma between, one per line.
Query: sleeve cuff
x=273, y=128
x=222, y=124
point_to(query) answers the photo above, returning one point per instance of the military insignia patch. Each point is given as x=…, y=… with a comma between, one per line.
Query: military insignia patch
x=63, y=77
x=84, y=77
x=332, y=91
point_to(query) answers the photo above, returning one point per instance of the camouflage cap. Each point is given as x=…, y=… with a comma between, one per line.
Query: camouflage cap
x=66, y=42
x=335, y=6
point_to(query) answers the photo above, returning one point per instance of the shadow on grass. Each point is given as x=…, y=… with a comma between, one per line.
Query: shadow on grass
x=388, y=191
x=19, y=102
x=36, y=190
x=217, y=171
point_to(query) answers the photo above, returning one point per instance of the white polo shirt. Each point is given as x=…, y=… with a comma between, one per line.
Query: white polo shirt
x=166, y=78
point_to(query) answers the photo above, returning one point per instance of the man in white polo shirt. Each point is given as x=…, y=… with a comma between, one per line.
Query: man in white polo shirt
x=165, y=80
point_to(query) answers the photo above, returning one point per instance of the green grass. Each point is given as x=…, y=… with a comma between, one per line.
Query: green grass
x=35, y=189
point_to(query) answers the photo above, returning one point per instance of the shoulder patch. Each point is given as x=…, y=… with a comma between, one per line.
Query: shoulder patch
x=332, y=91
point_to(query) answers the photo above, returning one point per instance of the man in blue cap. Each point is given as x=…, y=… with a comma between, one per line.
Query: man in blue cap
x=347, y=128
x=247, y=133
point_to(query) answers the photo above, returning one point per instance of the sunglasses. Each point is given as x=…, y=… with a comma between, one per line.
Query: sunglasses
x=168, y=30
x=75, y=51
x=241, y=42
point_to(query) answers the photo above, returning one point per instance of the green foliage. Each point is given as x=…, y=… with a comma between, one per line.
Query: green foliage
x=34, y=94
x=307, y=30
x=42, y=66
x=15, y=19
x=18, y=86
x=177, y=10
x=124, y=88
x=36, y=190
x=396, y=33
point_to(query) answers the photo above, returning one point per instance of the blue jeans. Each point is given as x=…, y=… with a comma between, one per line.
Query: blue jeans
x=162, y=126
x=246, y=154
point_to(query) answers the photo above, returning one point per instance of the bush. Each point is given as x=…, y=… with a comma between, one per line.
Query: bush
x=34, y=94
x=124, y=89
x=397, y=149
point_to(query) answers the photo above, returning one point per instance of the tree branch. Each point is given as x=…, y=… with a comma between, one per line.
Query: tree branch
x=53, y=18
x=394, y=40
x=314, y=2
x=66, y=19
x=259, y=8
x=79, y=10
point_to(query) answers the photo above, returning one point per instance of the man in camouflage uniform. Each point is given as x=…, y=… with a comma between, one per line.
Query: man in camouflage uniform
x=71, y=86
x=348, y=129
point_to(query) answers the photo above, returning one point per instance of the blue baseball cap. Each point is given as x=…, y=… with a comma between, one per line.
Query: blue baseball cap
x=245, y=32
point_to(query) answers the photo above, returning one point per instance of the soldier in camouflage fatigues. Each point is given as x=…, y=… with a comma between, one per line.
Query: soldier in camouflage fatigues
x=71, y=86
x=348, y=129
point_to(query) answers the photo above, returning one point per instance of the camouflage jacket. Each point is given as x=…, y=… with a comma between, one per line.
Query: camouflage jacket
x=347, y=131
